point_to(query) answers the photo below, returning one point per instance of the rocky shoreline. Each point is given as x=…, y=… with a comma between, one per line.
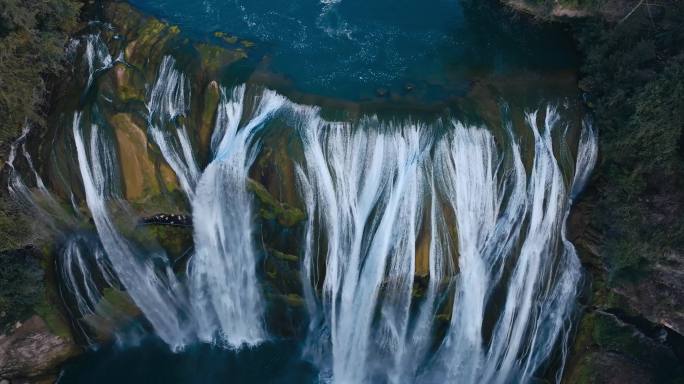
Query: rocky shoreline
x=31, y=353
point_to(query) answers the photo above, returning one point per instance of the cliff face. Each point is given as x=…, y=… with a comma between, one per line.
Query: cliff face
x=628, y=226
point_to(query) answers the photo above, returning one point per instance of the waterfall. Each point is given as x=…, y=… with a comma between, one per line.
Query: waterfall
x=225, y=292
x=431, y=251
x=39, y=200
x=367, y=185
x=587, y=154
x=148, y=278
x=97, y=57
x=168, y=103
x=83, y=265
x=365, y=191
x=15, y=184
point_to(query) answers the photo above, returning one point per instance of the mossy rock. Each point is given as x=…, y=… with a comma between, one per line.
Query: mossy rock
x=210, y=103
x=229, y=39
x=146, y=38
x=247, y=43
x=130, y=84
x=114, y=310
x=120, y=301
x=285, y=256
x=175, y=240
x=604, y=343
x=282, y=272
x=294, y=300
x=49, y=311
x=272, y=209
x=213, y=58
x=144, y=176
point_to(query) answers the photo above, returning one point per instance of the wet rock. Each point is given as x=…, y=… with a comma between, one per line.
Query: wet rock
x=169, y=219
x=227, y=38
x=138, y=169
x=210, y=102
x=271, y=209
x=130, y=86
x=213, y=58
x=32, y=350
x=608, y=350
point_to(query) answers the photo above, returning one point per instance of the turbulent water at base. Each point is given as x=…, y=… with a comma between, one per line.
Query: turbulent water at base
x=434, y=250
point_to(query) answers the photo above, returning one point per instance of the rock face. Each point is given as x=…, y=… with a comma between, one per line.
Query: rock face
x=629, y=331
x=31, y=353
x=553, y=10
x=627, y=227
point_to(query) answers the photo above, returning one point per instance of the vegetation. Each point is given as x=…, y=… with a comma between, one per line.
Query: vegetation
x=33, y=35
x=33, y=38
x=634, y=74
x=21, y=285
x=14, y=231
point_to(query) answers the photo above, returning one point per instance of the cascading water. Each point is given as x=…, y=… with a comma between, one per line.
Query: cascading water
x=84, y=269
x=225, y=292
x=148, y=278
x=372, y=191
x=168, y=102
x=353, y=184
x=40, y=201
x=97, y=57
x=368, y=188
x=432, y=252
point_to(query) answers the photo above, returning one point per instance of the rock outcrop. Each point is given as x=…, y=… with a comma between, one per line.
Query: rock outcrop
x=612, y=10
x=31, y=353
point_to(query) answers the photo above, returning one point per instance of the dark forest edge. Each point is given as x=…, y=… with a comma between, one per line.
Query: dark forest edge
x=627, y=226
x=33, y=38
x=631, y=238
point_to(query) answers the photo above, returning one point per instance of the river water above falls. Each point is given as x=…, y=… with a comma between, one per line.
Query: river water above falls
x=355, y=49
x=219, y=219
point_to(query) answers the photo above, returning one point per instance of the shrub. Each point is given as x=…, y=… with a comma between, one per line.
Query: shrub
x=21, y=285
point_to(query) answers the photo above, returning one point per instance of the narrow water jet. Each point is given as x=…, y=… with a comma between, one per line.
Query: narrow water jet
x=147, y=278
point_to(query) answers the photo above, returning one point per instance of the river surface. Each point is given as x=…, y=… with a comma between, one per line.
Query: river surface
x=359, y=49
x=152, y=362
